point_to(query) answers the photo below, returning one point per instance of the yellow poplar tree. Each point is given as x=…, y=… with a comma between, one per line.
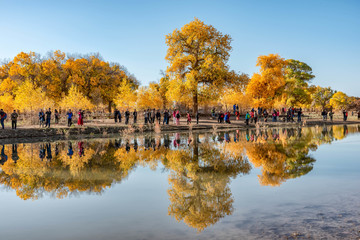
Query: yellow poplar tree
x=149, y=97
x=7, y=102
x=340, y=100
x=198, y=55
x=127, y=95
x=264, y=87
x=76, y=100
x=28, y=97
x=54, y=78
x=178, y=93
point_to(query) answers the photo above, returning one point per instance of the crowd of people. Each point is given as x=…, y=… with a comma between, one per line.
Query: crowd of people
x=157, y=116
x=152, y=116
x=330, y=113
x=254, y=115
x=45, y=117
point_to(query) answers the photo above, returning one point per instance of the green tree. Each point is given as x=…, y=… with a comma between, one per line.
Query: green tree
x=297, y=77
x=321, y=97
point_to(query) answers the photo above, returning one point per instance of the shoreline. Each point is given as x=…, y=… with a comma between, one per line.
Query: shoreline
x=103, y=131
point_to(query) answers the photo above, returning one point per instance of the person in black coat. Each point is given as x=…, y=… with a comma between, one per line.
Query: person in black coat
x=127, y=115
x=135, y=116
x=116, y=115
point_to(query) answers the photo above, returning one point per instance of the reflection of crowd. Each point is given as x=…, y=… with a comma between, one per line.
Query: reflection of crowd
x=14, y=154
x=176, y=141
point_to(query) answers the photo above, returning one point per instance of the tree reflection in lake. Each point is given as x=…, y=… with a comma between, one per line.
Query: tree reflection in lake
x=200, y=166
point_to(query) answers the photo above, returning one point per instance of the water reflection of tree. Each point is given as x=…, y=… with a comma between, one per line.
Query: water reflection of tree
x=286, y=154
x=201, y=166
x=199, y=179
x=34, y=174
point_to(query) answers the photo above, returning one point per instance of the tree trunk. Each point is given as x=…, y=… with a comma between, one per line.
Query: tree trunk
x=109, y=108
x=195, y=102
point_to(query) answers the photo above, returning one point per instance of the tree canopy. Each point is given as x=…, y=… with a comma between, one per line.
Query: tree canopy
x=198, y=56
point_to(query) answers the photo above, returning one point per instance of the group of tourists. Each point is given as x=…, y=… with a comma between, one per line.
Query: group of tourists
x=3, y=116
x=224, y=117
x=325, y=114
x=254, y=115
x=152, y=116
x=45, y=117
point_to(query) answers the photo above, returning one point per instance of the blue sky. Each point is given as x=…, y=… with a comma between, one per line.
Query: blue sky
x=324, y=34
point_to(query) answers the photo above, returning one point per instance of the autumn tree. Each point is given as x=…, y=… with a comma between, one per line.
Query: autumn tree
x=179, y=93
x=54, y=75
x=26, y=66
x=75, y=100
x=198, y=55
x=234, y=92
x=163, y=88
x=340, y=100
x=29, y=97
x=96, y=79
x=265, y=87
x=149, y=97
x=54, y=79
x=7, y=102
x=127, y=95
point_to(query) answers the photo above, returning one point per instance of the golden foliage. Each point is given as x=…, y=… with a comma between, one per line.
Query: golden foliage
x=55, y=76
x=30, y=97
x=264, y=87
x=340, y=100
x=127, y=96
x=76, y=100
x=198, y=54
x=7, y=102
x=149, y=97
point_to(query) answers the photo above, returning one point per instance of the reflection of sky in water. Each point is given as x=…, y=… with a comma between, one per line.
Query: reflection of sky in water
x=324, y=201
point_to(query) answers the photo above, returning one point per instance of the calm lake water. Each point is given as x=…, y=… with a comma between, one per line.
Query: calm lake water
x=300, y=183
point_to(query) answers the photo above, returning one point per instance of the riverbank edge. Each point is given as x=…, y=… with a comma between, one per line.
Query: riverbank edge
x=9, y=135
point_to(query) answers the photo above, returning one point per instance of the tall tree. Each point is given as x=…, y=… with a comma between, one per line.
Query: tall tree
x=198, y=55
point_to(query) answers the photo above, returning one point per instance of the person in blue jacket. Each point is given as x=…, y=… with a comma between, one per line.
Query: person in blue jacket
x=69, y=117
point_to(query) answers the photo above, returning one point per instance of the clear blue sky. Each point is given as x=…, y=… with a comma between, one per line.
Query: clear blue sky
x=323, y=33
